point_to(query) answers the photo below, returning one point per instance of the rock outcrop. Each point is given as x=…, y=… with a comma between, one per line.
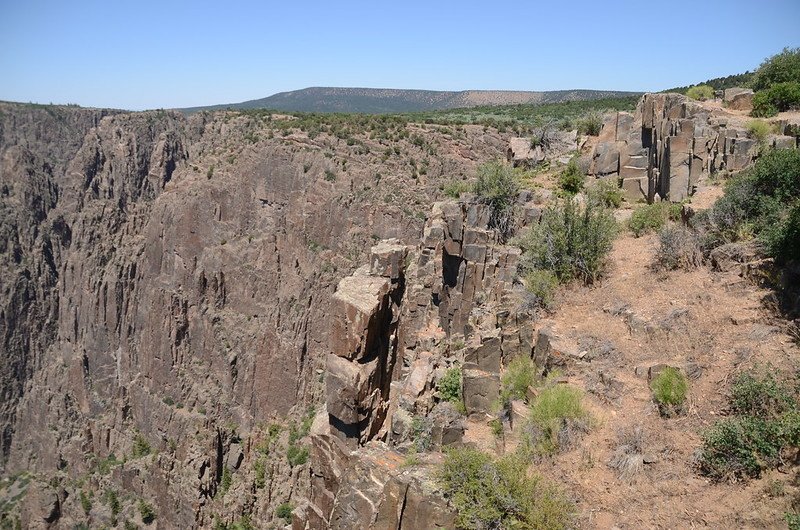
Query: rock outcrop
x=670, y=143
x=395, y=324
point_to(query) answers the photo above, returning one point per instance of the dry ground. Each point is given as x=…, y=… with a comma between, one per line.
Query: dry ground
x=710, y=324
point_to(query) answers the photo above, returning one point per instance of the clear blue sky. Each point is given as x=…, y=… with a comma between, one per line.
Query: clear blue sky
x=149, y=54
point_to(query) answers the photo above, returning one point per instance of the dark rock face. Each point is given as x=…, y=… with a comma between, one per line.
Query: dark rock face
x=166, y=277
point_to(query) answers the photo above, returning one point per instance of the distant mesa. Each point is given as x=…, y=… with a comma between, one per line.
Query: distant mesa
x=392, y=100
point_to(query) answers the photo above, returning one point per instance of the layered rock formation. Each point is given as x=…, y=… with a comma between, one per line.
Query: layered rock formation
x=670, y=143
x=394, y=328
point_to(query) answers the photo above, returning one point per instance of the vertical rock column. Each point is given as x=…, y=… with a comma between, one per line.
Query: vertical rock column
x=364, y=344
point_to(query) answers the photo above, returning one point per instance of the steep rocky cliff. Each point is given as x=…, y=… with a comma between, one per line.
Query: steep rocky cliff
x=243, y=317
x=165, y=286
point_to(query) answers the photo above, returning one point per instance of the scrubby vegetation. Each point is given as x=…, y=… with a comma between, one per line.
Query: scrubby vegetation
x=489, y=493
x=606, y=192
x=762, y=202
x=777, y=98
x=296, y=455
x=777, y=84
x=652, y=217
x=678, y=248
x=571, y=241
x=628, y=457
x=765, y=421
x=590, y=125
x=572, y=178
x=523, y=119
x=783, y=67
x=759, y=131
x=701, y=92
x=542, y=285
x=284, y=511
x=141, y=447
x=520, y=374
x=720, y=83
x=557, y=419
x=146, y=511
x=669, y=391
x=455, y=188
x=449, y=386
x=497, y=186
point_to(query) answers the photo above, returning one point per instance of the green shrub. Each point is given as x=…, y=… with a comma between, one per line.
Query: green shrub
x=572, y=178
x=497, y=186
x=225, y=481
x=759, y=131
x=700, y=92
x=669, y=390
x=780, y=68
x=556, y=416
x=607, y=193
x=499, y=493
x=421, y=434
x=571, y=241
x=652, y=217
x=497, y=427
x=590, y=125
x=765, y=423
x=760, y=394
x=763, y=107
x=147, y=512
x=542, y=284
x=284, y=511
x=740, y=447
x=778, y=98
x=112, y=499
x=244, y=523
x=455, y=188
x=519, y=375
x=763, y=201
x=105, y=465
x=679, y=248
x=141, y=447
x=86, y=502
x=449, y=386
x=260, y=470
x=793, y=520
x=297, y=455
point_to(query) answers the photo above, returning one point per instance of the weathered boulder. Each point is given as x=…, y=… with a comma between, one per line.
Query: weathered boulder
x=362, y=306
x=486, y=355
x=448, y=425
x=551, y=349
x=481, y=390
x=738, y=98
x=388, y=259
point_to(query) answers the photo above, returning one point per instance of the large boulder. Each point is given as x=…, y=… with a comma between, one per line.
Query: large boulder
x=738, y=98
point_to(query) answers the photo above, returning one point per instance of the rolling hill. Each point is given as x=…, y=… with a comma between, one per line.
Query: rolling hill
x=386, y=100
